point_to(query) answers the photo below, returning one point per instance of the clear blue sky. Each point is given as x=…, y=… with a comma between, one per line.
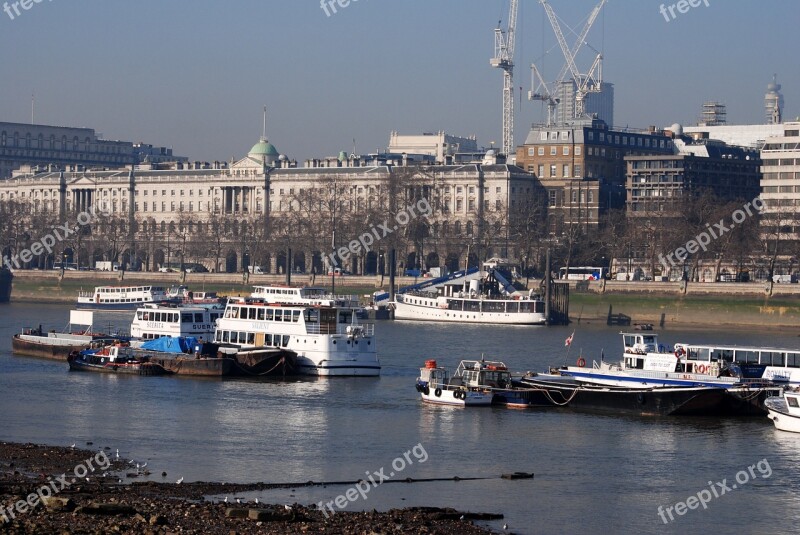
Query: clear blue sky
x=194, y=74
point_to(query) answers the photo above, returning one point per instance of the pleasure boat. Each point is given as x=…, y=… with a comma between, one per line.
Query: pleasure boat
x=154, y=321
x=307, y=295
x=784, y=411
x=328, y=340
x=123, y=297
x=470, y=296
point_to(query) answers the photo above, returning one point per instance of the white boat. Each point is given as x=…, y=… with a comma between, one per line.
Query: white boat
x=122, y=297
x=307, y=295
x=435, y=385
x=471, y=296
x=184, y=296
x=784, y=411
x=328, y=340
x=156, y=321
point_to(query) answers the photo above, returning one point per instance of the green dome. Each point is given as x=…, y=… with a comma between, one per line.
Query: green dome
x=264, y=148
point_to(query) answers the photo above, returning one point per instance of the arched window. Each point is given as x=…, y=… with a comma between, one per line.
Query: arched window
x=469, y=228
x=457, y=228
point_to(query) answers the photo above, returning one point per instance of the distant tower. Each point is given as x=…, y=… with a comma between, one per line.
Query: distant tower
x=773, y=102
x=714, y=114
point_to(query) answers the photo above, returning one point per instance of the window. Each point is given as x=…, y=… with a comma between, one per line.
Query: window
x=577, y=150
x=565, y=150
x=553, y=151
x=591, y=136
x=530, y=151
x=541, y=151
x=574, y=196
x=541, y=171
x=565, y=170
x=543, y=136
x=553, y=170
x=459, y=205
x=552, y=197
x=471, y=205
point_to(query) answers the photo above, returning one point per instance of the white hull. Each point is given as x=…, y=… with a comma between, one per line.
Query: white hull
x=636, y=378
x=784, y=422
x=406, y=311
x=447, y=397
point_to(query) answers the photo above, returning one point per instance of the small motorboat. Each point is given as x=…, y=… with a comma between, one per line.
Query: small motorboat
x=784, y=411
x=110, y=360
x=436, y=386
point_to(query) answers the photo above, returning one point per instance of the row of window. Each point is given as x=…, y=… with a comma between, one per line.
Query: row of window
x=261, y=313
x=577, y=171
x=249, y=338
x=30, y=142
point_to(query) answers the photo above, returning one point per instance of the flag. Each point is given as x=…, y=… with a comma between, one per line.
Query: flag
x=568, y=341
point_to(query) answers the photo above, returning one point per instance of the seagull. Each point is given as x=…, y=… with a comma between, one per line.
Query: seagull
x=145, y=464
x=287, y=507
x=225, y=500
x=505, y=526
x=87, y=480
x=238, y=500
x=119, y=481
x=131, y=462
x=138, y=467
x=256, y=501
x=462, y=517
x=117, y=455
x=73, y=446
x=179, y=481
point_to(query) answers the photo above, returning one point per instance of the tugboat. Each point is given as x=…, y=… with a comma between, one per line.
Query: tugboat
x=475, y=382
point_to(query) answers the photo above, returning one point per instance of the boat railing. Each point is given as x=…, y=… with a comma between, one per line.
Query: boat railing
x=350, y=329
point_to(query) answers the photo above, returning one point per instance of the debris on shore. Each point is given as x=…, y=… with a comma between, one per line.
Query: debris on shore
x=101, y=502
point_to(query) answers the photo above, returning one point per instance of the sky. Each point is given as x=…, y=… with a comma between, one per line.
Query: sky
x=195, y=74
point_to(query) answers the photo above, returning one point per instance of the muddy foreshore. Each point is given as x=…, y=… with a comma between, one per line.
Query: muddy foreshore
x=104, y=504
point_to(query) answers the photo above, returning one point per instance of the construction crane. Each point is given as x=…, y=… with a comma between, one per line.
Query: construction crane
x=592, y=81
x=504, y=59
x=540, y=91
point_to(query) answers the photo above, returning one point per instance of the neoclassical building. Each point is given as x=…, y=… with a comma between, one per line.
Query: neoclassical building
x=265, y=210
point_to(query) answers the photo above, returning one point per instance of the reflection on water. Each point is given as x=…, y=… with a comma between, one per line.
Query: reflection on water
x=594, y=473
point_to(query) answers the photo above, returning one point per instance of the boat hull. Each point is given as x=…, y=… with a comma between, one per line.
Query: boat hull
x=197, y=367
x=778, y=412
x=44, y=350
x=406, y=311
x=264, y=363
x=663, y=401
x=128, y=368
x=471, y=398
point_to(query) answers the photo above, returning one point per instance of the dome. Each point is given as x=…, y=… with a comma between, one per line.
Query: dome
x=263, y=148
x=343, y=156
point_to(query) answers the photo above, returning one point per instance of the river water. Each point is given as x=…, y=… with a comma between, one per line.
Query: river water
x=593, y=474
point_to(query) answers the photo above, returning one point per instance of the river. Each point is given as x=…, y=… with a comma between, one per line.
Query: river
x=593, y=474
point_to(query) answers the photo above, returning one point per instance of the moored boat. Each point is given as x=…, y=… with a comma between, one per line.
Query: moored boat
x=645, y=401
x=784, y=411
x=109, y=360
x=157, y=320
x=123, y=297
x=34, y=342
x=435, y=385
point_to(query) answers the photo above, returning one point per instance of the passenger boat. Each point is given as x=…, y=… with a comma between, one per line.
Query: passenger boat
x=110, y=360
x=784, y=411
x=328, y=340
x=185, y=297
x=154, y=321
x=78, y=335
x=473, y=382
x=122, y=297
x=470, y=297
x=306, y=295
x=643, y=401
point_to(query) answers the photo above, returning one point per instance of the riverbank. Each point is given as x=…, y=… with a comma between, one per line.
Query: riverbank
x=99, y=502
x=664, y=304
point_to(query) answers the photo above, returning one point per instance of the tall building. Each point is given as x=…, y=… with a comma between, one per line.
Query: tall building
x=581, y=165
x=42, y=145
x=713, y=114
x=780, y=184
x=598, y=105
x=773, y=102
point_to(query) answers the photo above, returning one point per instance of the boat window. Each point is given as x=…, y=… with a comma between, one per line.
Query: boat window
x=345, y=317
x=175, y=316
x=512, y=308
x=251, y=338
x=261, y=314
x=225, y=336
x=698, y=353
x=722, y=354
x=198, y=317
x=186, y=318
x=793, y=360
x=472, y=306
x=279, y=315
x=744, y=356
x=312, y=315
x=295, y=316
x=771, y=358
x=792, y=401
x=138, y=315
x=270, y=313
x=268, y=340
x=285, y=340
x=539, y=307
x=493, y=306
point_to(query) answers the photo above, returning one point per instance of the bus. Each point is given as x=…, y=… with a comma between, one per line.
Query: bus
x=582, y=273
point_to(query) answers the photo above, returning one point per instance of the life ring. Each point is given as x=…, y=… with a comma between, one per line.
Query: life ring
x=680, y=352
x=701, y=368
x=438, y=392
x=581, y=362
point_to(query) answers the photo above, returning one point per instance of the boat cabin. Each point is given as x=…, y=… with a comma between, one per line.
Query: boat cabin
x=483, y=374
